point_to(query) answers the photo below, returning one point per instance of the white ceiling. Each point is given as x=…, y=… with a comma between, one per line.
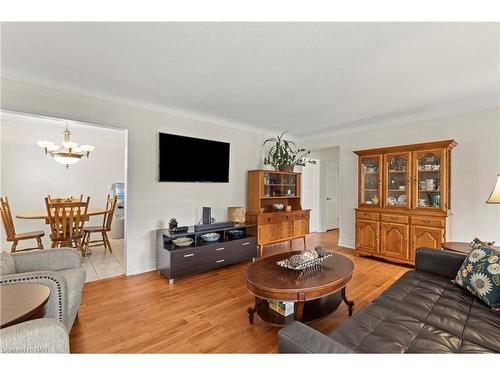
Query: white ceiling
x=310, y=78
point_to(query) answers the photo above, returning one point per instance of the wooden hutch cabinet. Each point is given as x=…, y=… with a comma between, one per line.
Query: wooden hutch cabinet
x=266, y=188
x=404, y=199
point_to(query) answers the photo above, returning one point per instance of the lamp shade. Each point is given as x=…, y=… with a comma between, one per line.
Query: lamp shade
x=495, y=194
x=45, y=144
x=87, y=148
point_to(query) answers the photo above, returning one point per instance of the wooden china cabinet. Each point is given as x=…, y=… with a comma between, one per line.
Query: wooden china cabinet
x=265, y=189
x=404, y=199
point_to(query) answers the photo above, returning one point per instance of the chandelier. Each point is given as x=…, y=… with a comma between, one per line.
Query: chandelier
x=69, y=153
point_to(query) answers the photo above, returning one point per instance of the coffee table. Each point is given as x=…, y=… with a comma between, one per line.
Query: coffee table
x=22, y=302
x=315, y=292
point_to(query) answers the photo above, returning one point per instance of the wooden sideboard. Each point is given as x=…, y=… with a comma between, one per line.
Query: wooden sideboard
x=404, y=199
x=266, y=188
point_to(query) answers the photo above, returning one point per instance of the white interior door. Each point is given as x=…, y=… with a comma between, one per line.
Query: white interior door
x=331, y=213
x=310, y=194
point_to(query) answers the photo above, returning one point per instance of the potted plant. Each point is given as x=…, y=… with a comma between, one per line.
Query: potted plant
x=284, y=155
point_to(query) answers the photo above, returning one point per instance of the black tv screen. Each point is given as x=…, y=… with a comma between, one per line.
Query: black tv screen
x=187, y=159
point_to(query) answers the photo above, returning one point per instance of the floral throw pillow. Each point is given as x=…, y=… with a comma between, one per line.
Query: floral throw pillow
x=480, y=275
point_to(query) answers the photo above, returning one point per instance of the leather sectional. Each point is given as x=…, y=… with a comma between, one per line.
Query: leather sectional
x=422, y=312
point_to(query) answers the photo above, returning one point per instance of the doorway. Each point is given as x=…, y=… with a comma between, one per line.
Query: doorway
x=320, y=193
x=310, y=193
x=29, y=175
x=331, y=208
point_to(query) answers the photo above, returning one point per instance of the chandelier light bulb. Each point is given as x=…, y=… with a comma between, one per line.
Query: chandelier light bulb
x=45, y=144
x=70, y=145
x=87, y=148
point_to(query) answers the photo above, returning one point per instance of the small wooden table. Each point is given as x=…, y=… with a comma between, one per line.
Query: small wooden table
x=460, y=247
x=22, y=302
x=42, y=215
x=315, y=292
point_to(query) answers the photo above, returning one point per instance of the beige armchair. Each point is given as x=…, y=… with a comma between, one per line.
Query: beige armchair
x=59, y=269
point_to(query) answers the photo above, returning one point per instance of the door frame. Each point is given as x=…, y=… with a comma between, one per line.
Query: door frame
x=316, y=210
x=125, y=163
x=323, y=225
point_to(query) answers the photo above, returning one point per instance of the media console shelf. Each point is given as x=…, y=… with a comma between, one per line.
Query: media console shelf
x=173, y=261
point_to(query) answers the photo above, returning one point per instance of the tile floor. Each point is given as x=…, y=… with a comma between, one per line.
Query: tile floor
x=103, y=264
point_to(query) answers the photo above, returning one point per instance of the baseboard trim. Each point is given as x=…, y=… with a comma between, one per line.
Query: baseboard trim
x=350, y=244
x=134, y=269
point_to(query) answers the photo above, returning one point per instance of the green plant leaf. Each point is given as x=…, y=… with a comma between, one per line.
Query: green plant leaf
x=284, y=153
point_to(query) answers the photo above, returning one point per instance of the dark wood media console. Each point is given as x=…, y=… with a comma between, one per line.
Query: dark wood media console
x=173, y=261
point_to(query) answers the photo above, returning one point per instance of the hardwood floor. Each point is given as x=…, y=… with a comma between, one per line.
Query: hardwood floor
x=204, y=313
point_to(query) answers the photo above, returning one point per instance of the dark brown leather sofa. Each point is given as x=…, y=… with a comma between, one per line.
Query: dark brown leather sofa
x=422, y=312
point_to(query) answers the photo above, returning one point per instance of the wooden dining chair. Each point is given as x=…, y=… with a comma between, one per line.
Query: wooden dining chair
x=10, y=231
x=66, y=221
x=103, y=230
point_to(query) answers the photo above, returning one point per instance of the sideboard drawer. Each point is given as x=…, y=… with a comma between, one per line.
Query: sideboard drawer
x=268, y=219
x=191, y=260
x=367, y=215
x=289, y=216
x=244, y=249
x=279, y=217
x=402, y=219
x=300, y=215
x=428, y=221
x=192, y=254
x=222, y=250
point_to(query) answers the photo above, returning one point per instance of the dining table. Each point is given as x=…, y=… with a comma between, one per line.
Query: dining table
x=43, y=215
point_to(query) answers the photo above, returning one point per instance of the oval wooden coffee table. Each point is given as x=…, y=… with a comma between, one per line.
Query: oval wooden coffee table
x=22, y=302
x=315, y=292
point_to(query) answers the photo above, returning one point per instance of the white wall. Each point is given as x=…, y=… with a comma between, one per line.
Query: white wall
x=475, y=163
x=29, y=175
x=150, y=203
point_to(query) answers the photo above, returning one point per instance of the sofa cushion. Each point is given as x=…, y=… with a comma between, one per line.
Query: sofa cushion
x=7, y=265
x=480, y=275
x=378, y=328
x=422, y=313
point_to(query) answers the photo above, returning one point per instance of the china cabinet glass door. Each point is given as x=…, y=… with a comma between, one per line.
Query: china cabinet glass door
x=280, y=185
x=397, y=178
x=370, y=180
x=429, y=181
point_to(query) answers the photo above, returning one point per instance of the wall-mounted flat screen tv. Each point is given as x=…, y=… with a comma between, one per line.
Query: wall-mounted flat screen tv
x=187, y=159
